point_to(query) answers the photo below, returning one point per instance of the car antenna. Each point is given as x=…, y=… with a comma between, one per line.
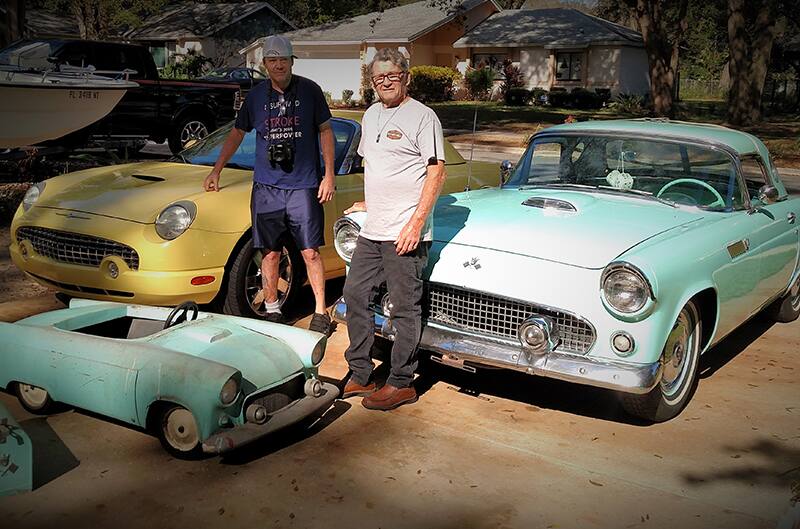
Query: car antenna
x=472, y=147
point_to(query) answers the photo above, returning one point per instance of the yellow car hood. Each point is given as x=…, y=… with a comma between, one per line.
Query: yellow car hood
x=135, y=192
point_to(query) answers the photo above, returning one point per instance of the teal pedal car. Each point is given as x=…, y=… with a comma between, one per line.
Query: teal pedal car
x=202, y=382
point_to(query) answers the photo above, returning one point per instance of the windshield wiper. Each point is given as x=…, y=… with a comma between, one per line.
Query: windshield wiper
x=569, y=186
x=178, y=157
x=639, y=192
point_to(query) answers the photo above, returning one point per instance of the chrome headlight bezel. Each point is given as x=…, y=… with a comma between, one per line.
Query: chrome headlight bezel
x=345, y=247
x=175, y=219
x=646, y=297
x=32, y=195
x=229, y=391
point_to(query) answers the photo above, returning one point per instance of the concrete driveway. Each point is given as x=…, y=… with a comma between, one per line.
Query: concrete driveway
x=494, y=450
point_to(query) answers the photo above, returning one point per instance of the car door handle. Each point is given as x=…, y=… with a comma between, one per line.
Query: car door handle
x=791, y=217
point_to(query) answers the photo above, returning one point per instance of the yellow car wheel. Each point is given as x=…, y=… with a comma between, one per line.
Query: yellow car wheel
x=243, y=290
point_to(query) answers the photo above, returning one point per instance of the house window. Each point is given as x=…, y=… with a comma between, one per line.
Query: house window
x=569, y=66
x=489, y=60
x=159, y=53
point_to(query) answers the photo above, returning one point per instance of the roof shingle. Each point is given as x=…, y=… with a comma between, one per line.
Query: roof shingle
x=547, y=27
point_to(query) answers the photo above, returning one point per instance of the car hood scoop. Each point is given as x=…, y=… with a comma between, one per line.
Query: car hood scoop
x=545, y=202
x=585, y=229
x=148, y=178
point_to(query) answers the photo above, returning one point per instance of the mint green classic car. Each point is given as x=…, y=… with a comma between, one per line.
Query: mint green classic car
x=201, y=382
x=615, y=254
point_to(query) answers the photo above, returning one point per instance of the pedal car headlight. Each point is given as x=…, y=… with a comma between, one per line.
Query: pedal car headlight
x=319, y=351
x=32, y=195
x=345, y=235
x=229, y=391
x=175, y=219
x=625, y=289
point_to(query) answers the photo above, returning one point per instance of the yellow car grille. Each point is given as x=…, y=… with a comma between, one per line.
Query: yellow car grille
x=76, y=248
x=499, y=317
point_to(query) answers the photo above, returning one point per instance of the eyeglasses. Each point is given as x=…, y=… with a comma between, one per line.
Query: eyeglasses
x=392, y=77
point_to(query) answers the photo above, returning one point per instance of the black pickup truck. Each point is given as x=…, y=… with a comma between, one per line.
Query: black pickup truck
x=159, y=109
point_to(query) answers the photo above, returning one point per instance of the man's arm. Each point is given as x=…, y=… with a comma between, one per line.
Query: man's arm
x=328, y=185
x=408, y=240
x=232, y=142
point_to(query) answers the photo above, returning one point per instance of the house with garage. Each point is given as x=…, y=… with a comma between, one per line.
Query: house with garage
x=217, y=31
x=559, y=49
x=332, y=54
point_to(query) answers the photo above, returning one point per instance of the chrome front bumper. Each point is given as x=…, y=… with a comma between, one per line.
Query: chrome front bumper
x=227, y=439
x=461, y=346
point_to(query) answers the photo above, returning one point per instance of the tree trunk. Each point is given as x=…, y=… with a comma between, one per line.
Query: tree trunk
x=661, y=49
x=751, y=31
x=93, y=18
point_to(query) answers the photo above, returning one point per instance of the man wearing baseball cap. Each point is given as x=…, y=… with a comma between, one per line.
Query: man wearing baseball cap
x=291, y=120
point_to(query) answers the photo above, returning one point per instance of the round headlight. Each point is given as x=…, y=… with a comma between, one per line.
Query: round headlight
x=319, y=352
x=229, y=391
x=345, y=235
x=625, y=290
x=32, y=195
x=174, y=220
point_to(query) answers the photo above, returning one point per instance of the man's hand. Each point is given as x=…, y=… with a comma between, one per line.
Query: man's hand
x=408, y=240
x=211, y=183
x=326, y=190
x=357, y=206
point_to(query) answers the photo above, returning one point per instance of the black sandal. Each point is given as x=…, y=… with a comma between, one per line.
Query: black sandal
x=320, y=323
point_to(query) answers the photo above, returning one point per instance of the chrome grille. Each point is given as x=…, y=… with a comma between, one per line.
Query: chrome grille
x=75, y=248
x=501, y=317
x=280, y=396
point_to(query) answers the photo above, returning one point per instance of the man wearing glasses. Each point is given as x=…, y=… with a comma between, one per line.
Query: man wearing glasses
x=403, y=150
x=292, y=120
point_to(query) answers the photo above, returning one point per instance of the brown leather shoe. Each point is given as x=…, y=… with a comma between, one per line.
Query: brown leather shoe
x=389, y=398
x=354, y=389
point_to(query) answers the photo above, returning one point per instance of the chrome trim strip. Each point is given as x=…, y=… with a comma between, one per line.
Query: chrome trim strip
x=609, y=374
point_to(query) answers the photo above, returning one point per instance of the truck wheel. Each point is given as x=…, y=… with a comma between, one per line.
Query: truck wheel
x=243, y=296
x=188, y=128
x=179, y=434
x=681, y=356
x=786, y=308
x=35, y=399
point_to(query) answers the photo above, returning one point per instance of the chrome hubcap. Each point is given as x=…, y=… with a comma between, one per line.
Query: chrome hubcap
x=253, y=284
x=194, y=130
x=33, y=396
x=677, y=354
x=180, y=430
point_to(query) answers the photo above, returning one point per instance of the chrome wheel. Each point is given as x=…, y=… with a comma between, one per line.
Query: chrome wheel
x=253, y=285
x=681, y=347
x=33, y=397
x=794, y=296
x=193, y=130
x=180, y=430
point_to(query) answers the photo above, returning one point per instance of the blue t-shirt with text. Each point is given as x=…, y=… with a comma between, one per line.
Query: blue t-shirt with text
x=293, y=118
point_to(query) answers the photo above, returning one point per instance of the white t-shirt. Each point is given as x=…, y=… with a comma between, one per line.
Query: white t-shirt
x=397, y=145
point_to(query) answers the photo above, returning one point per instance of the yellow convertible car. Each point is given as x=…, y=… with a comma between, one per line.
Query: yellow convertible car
x=147, y=233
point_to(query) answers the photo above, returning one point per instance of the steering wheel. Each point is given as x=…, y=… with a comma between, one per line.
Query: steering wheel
x=181, y=313
x=718, y=202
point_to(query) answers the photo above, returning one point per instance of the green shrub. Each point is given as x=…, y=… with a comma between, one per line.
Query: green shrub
x=433, y=83
x=631, y=104
x=347, y=96
x=192, y=65
x=585, y=99
x=559, y=97
x=366, y=91
x=513, y=77
x=480, y=82
x=518, y=96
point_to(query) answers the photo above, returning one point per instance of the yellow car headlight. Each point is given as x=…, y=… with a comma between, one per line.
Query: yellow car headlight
x=175, y=219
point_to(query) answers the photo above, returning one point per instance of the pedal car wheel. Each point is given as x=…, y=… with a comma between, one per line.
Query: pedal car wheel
x=179, y=434
x=35, y=399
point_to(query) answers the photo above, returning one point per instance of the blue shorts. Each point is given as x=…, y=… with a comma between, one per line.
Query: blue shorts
x=278, y=211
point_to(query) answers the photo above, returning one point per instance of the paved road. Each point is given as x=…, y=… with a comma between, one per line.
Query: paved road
x=499, y=450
